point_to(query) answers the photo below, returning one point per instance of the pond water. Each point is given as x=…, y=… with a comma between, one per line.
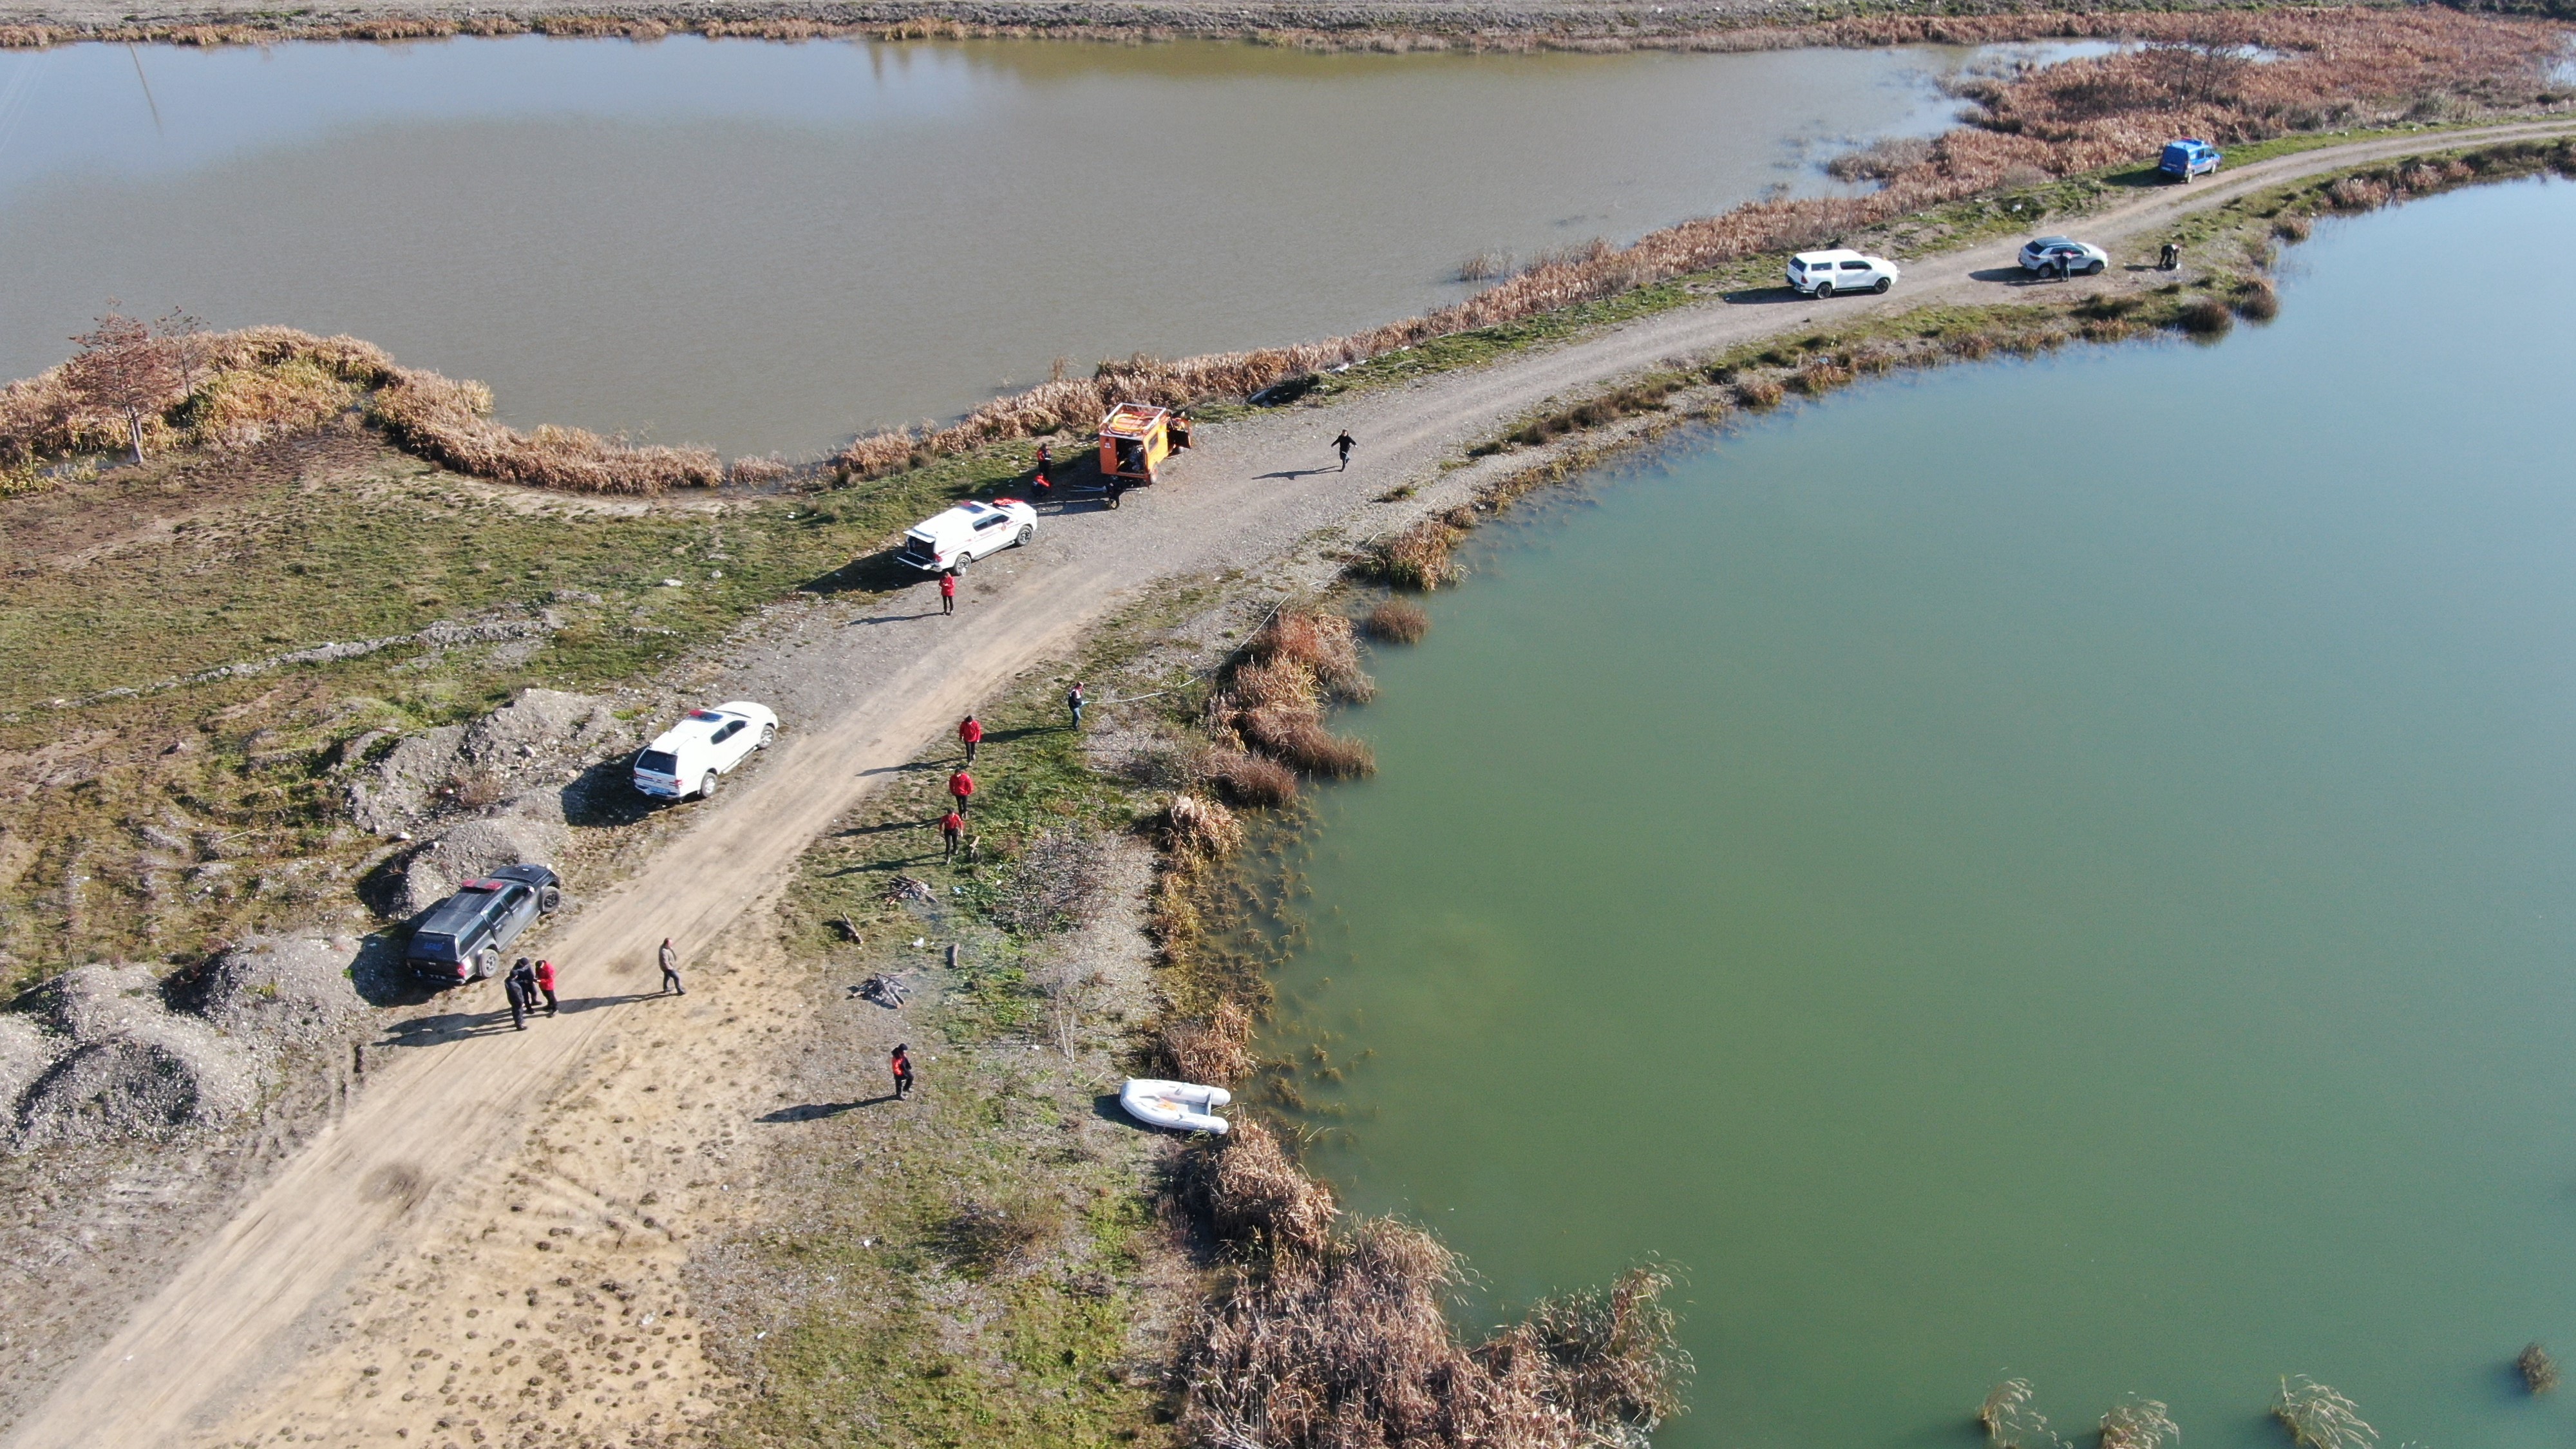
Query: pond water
x=2060, y=869
x=763, y=246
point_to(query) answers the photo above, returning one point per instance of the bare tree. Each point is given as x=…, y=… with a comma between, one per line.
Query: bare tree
x=124, y=367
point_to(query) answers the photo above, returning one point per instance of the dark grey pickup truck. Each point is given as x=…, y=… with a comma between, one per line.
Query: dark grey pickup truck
x=462, y=937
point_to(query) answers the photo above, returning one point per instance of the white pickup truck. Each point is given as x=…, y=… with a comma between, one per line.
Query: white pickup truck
x=966, y=533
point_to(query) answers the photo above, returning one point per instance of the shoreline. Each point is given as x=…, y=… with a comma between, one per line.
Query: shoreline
x=1417, y=429
x=1394, y=25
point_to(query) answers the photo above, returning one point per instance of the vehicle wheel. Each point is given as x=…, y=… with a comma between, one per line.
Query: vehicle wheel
x=1824, y=290
x=2095, y=270
x=548, y=899
x=707, y=786
x=1027, y=532
x=487, y=964
x=1883, y=284
x=767, y=733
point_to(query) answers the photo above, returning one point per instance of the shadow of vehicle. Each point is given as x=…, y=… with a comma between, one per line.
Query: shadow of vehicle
x=381, y=976
x=1767, y=296
x=605, y=795
x=2012, y=276
x=875, y=573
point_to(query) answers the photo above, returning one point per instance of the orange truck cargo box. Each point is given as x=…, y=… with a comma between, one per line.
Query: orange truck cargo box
x=1135, y=439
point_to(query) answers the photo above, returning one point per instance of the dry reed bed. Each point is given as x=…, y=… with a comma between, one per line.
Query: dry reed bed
x=1334, y=1334
x=232, y=390
x=2336, y=68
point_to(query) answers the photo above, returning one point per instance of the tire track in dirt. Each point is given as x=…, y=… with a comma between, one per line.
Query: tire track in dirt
x=243, y=1306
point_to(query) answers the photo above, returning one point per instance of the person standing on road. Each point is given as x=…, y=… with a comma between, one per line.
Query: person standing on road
x=1074, y=701
x=522, y=987
x=1041, y=482
x=970, y=733
x=962, y=785
x=901, y=1065
x=671, y=969
x=948, y=591
x=953, y=827
x=546, y=984
x=1343, y=446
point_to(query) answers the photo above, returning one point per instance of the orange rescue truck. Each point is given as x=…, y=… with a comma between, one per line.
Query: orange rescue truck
x=1134, y=441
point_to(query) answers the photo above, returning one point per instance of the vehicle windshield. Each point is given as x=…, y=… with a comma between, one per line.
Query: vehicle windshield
x=659, y=762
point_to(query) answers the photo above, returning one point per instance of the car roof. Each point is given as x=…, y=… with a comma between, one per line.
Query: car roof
x=1838, y=254
x=702, y=723
x=2054, y=241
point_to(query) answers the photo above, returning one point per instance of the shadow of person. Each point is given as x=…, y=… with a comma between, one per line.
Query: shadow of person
x=572, y=1004
x=1290, y=473
x=2010, y=276
x=452, y=1026
x=816, y=1111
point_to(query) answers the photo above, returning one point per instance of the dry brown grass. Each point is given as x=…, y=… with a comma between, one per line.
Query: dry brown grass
x=1275, y=694
x=2207, y=317
x=1418, y=558
x=1399, y=621
x=1195, y=826
x=1249, y=779
x=240, y=389
x=1215, y=1049
x=1336, y=1335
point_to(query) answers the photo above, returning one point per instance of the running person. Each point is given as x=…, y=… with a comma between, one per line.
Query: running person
x=1343, y=446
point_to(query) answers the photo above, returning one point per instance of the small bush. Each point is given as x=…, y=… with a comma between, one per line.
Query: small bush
x=1418, y=558
x=2206, y=317
x=2319, y=1418
x=2292, y=228
x=1302, y=741
x=2138, y=1423
x=1759, y=393
x=1200, y=827
x=1321, y=644
x=2257, y=300
x=1880, y=159
x=1249, y=779
x=2009, y=1420
x=1399, y=621
x=1820, y=375
x=1009, y=1233
x=1051, y=886
x=2539, y=1371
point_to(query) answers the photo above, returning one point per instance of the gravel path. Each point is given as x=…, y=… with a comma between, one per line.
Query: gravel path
x=873, y=682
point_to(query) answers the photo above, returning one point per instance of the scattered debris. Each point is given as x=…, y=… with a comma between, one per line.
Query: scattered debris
x=904, y=888
x=886, y=991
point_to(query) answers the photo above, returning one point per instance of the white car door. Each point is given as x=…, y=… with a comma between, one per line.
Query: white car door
x=733, y=740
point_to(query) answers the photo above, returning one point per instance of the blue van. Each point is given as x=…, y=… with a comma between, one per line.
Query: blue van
x=2188, y=158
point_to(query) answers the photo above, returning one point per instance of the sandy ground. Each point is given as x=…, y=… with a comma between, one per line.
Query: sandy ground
x=416, y=1181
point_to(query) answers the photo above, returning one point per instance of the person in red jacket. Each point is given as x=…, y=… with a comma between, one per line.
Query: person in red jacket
x=901, y=1065
x=962, y=785
x=970, y=732
x=953, y=826
x=948, y=592
x=546, y=984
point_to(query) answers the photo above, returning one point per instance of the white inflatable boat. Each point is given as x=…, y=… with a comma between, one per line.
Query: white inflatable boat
x=1185, y=1105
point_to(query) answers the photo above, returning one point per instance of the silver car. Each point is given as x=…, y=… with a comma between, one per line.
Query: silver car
x=2063, y=256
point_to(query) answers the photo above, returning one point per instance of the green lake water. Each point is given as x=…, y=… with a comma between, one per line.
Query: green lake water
x=2062, y=869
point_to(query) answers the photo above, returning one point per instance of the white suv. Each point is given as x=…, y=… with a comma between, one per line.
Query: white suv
x=1821, y=274
x=685, y=759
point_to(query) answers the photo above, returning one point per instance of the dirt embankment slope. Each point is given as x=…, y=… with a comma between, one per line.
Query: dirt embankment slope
x=381, y=1175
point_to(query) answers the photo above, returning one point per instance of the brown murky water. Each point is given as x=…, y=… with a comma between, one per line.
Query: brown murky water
x=765, y=246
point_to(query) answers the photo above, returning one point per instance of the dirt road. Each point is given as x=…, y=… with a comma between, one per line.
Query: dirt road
x=895, y=674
